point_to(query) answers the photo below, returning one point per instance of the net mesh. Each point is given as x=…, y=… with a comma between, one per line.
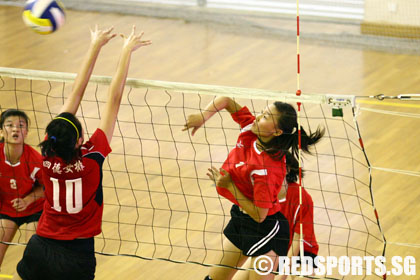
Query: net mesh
x=159, y=203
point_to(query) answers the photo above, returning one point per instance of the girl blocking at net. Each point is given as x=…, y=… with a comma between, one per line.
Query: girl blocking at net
x=251, y=178
x=21, y=191
x=63, y=246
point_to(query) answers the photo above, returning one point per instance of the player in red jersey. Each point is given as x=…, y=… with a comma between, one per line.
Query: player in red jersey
x=251, y=178
x=63, y=247
x=21, y=192
x=291, y=208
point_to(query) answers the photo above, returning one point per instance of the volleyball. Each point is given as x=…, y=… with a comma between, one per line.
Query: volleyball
x=43, y=16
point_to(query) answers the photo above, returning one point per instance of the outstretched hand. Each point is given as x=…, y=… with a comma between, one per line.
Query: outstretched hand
x=220, y=177
x=133, y=41
x=101, y=37
x=194, y=121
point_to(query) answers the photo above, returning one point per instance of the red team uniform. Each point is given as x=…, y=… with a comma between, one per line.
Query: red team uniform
x=255, y=173
x=291, y=209
x=73, y=193
x=71, y=218
x=259, y=178
x=17, y=181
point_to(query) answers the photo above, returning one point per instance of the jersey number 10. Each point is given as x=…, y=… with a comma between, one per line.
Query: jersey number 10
x=74, y=203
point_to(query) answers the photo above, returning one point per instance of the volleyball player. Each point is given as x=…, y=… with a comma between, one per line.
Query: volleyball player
x=292, y=209
x=251, y=178
x=63, y=247
x=21, y=191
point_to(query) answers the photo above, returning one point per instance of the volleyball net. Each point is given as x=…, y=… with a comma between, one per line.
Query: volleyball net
x=158, y=201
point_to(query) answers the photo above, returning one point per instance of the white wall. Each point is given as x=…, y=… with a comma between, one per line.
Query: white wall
x=400, y=12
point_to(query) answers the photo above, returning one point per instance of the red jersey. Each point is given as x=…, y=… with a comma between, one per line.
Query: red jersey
x=255, y=173
x=291, y=210
x=17, y=181
x=73, y=193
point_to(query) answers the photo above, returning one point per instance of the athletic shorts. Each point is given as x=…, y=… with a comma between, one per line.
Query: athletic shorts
x=51, y=259
x=22, y=220
x=308, y=254
x=255, y=239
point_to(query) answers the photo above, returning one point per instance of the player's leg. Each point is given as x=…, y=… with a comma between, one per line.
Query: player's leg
x=265, y=265
x=30, y=230
x=8, y=230
x=233, y=257
x=16, y=277
x=243, y=274
x=34, y=264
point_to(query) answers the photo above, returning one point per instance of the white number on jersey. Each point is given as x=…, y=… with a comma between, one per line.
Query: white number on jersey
x=13, y=184
x=72, y=186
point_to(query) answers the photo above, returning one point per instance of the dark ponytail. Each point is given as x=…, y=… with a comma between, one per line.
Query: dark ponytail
x=292, y=165
x=63, y=133
x=278, y=146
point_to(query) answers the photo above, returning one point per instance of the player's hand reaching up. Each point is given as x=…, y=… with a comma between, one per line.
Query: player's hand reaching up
x=194, y=121
x=101, y=37
x=133, y=41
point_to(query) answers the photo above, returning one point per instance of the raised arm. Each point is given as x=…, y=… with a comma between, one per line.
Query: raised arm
x=195, y=121
x=98, y=39
x=115, y=91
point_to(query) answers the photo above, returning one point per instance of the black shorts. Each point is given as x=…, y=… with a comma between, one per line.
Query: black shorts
x=255, y=239
x=308, y=254
x=22, y=220
x=50, y=259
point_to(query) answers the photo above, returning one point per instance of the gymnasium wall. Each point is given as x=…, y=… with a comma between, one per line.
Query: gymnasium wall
x=405, y=12
x=392, y=18
x=380, y=25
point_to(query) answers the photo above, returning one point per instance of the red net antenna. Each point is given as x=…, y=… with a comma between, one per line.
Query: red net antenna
x=298, y=93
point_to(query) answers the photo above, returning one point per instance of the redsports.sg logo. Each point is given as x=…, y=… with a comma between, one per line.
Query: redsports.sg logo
x=344, y=265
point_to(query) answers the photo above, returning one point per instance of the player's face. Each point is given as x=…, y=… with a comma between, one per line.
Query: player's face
x=14, y=130
x=265, y=124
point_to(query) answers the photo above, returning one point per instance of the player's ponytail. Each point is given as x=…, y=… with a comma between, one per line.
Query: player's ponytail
x=292, y=165
x=63, y=132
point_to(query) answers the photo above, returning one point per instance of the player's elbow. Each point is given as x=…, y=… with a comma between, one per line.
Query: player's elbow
x=261, y=219
x=258, y=219
x=262, y=214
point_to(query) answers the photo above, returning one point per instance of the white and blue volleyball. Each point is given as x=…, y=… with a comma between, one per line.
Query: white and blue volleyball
x=43, y=16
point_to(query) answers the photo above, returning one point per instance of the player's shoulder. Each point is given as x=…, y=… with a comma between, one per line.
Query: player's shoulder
x=98, y=138
x=293, y=190
x=243, y=117
x=32, y=153
x=2, y=151
x=244, y=111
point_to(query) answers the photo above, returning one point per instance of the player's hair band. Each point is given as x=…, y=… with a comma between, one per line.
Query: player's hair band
x=77, y=131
